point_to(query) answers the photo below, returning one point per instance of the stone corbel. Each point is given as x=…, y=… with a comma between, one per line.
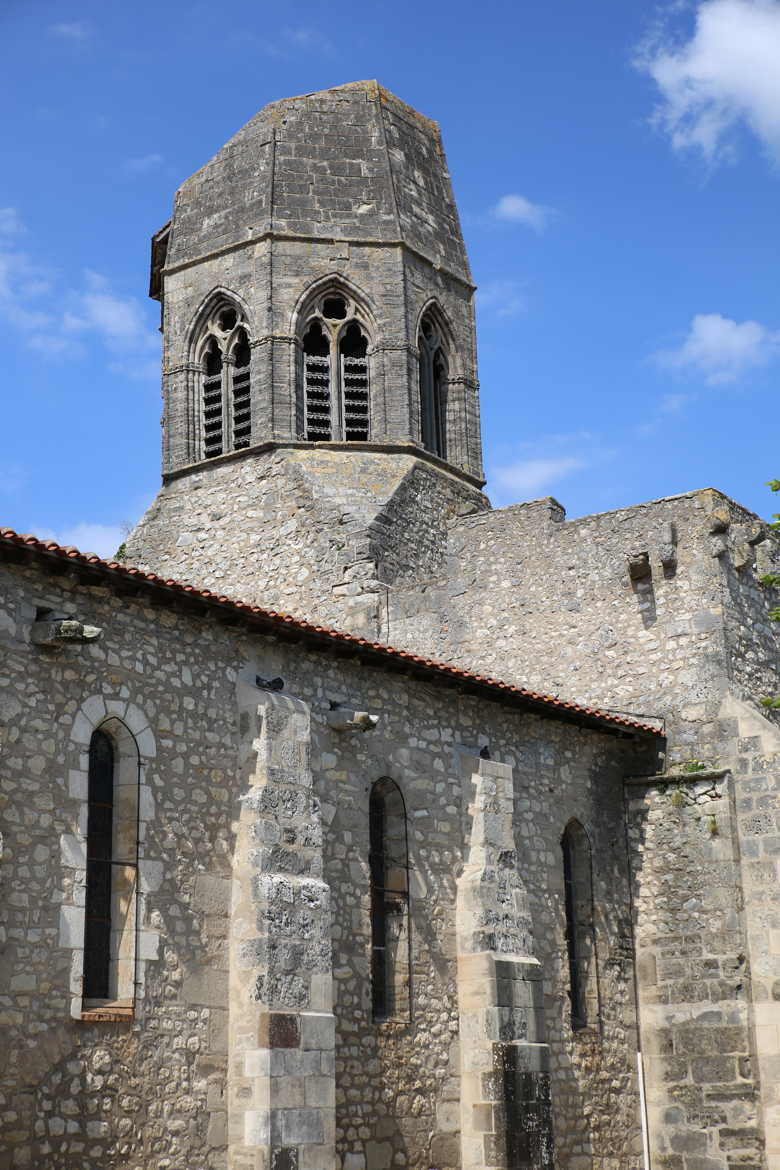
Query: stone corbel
x=345, y=719
x=62, y=632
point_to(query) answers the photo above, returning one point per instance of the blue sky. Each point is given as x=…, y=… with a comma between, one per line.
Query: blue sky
x=616, y=168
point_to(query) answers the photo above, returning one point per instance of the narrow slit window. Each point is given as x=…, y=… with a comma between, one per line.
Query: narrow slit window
x=112, y=867
x=212, y=401
x=242, y=404
x=390, y=933
x=354, y=382
x=580, y=927
x=100, y=831
x=316, y=365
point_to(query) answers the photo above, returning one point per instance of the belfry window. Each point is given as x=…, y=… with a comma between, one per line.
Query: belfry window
x=390, y=936
x=226, y=360
x=213, y=406
x=433, y=388
x=112, y=866
x=242, y=407
x=335, y=373
x=580, y=927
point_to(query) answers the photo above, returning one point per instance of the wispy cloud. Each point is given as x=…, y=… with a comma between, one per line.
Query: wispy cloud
x=295, y=40
x=139, y=166
x=505, y=298
x=725, y=76
x=673, y=403
x=56, y=317
x=722, y=350
x=527, y=478
x=11, y=222
x=518, y=209
x=120, y=321
x=75, y=30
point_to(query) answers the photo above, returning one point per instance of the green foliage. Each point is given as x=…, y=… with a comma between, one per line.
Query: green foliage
x=774, y=485
x=121, y=552
x=693, y=765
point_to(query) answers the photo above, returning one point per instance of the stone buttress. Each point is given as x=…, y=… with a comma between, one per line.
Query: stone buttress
x=281, y=1087
x=506, y=1117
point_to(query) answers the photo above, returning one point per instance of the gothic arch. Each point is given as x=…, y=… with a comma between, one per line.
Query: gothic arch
x=433, y=310
x=338, y=284
x=206, y=308
x=333, y=334
x=221, y=354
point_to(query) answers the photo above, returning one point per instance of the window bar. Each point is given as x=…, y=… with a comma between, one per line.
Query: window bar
x=317, y=384
x=212, y=404
x=354, y=382
x=242, y=406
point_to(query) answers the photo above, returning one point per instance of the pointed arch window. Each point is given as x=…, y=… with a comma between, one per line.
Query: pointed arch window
x=336, y=372
x=390, y=934
x=110, y=909
x=580, y=926
x=433, y=387
x=226, y=361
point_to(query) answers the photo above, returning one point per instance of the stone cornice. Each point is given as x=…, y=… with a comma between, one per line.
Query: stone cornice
x=291, y=237
x=407, y=448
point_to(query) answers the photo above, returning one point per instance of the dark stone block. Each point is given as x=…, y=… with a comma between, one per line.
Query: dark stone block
x=709, y=1070
x=746, y=1138
x=284, y=1158
x=280, y=1030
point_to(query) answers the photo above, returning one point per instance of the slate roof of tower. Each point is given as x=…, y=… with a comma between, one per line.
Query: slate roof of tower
x=349, y=163
x=16, y=546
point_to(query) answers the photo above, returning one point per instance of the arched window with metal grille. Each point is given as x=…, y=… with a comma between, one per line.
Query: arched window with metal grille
x=433, y=387
x=226, y=363
x=580, y=926
x=390, y=935
x=335, y=372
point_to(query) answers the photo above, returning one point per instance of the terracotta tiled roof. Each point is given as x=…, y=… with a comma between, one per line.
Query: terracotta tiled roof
x=126, y=579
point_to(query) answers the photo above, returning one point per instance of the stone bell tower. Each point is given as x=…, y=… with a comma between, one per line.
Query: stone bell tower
x=321, y=410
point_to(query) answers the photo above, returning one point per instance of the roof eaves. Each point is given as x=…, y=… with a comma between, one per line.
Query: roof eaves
x=324, y=638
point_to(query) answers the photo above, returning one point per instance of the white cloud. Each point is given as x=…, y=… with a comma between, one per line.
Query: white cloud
x=721, y=349
x=59, y=320
x=505, y=298
x=120, y=321
x=518, y=209
x=139, y=166
x=76, y=30
x=724, y=77
x=531, y=477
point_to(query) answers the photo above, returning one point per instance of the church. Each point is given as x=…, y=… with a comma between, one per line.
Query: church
x=348, y=822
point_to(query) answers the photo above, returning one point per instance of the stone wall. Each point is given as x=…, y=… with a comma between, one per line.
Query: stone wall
x=153, y=1092
x=695, y=982
x=653, y=609
x=307, y=531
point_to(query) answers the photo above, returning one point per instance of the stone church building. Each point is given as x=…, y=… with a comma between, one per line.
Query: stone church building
x=347, y=821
